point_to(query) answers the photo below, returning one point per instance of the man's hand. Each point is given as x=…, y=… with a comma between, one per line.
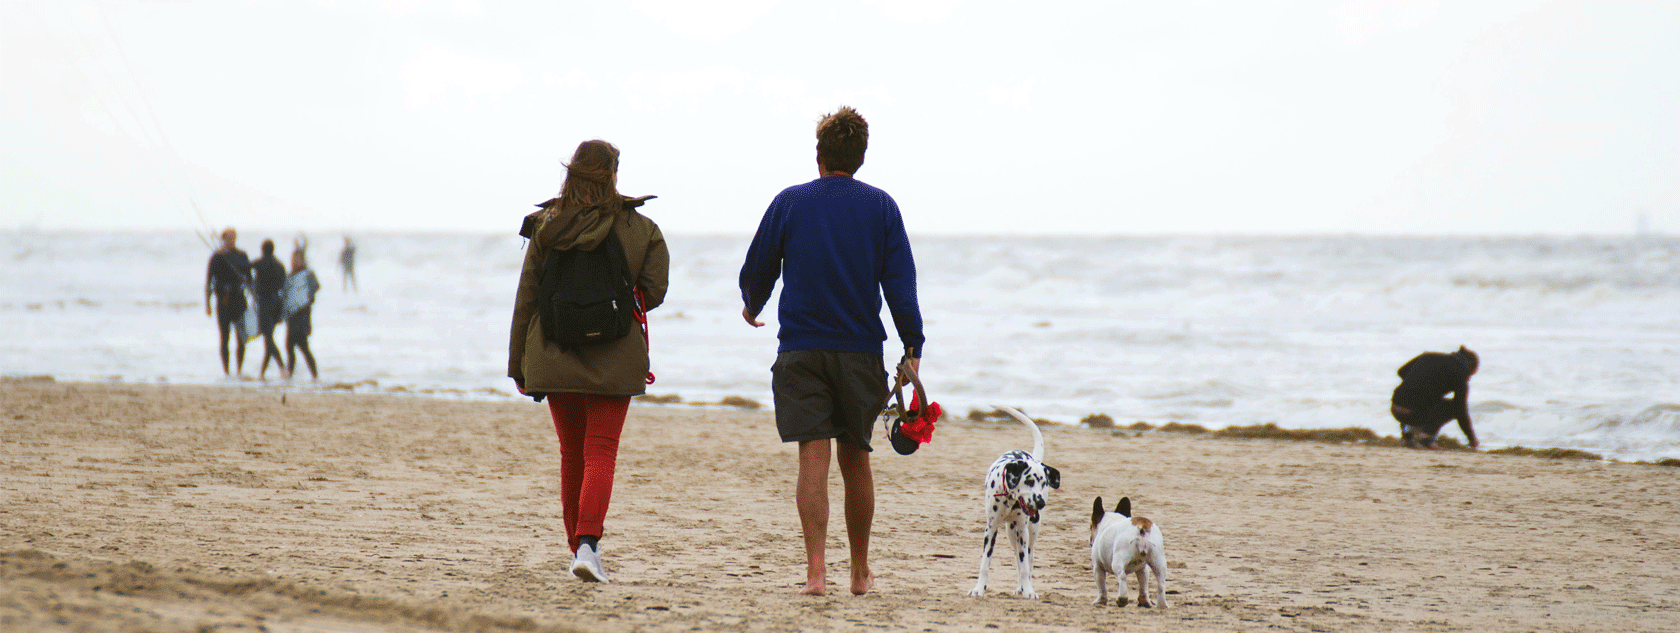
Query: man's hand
x=749, y=317
x=915, y=366
x=206, y=309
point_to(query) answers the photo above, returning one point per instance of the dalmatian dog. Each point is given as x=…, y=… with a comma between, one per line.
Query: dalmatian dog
x=1017, y=486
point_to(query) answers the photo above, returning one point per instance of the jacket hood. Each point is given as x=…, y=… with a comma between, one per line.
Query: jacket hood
x=581, y=228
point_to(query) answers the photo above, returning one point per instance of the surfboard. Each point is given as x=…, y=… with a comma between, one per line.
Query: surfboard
x=248, y=325
x=298, y=295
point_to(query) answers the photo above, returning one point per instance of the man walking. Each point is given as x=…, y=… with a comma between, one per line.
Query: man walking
x=225, y=279
x=839, y=245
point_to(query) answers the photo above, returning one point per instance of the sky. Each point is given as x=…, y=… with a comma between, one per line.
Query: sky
x=986, y=117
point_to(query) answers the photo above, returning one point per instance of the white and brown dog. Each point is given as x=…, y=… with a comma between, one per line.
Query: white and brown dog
x=1017, y=487
x=1122, y=544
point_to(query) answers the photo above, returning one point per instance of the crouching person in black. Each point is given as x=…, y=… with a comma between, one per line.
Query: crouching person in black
x=1420, y=402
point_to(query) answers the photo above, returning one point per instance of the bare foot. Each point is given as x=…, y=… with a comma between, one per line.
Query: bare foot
x=816, y=579
x=862, y=583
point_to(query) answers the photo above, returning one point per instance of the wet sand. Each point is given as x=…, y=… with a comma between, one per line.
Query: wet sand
x=185, y=508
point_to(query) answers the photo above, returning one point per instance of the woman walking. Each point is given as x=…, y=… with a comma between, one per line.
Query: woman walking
x=589, y=385
x=300, y=304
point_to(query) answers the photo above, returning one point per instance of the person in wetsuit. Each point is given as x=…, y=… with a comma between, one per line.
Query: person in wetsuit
x=229, y=271
x=269, y=284
x=347, y=263
x=300, y=297
x=1420, y=403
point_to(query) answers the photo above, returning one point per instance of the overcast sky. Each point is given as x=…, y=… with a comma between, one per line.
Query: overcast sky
x=1103, y=117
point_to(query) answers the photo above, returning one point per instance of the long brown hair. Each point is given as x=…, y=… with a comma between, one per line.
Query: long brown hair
x=592, y=177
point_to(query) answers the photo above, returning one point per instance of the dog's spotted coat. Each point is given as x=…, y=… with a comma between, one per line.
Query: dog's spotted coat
x=1018, y=486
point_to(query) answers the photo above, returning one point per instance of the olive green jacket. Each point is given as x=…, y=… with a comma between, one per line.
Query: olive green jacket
x=618, y=368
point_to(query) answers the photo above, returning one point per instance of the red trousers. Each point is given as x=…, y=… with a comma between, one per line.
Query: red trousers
x=588, y=427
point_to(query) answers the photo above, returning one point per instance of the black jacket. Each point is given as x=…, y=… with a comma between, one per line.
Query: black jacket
x=1431, y=376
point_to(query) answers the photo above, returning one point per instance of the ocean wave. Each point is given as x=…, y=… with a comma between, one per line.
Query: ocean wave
x=1662, y=419
x=1203, y=391
x=1580, y=337
x=1492, y=406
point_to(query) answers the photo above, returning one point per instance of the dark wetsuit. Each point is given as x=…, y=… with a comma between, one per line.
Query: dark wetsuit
x=298, y=325
x=347, y=262
x=1420, y=402
x=268, y=282
x=226, y=278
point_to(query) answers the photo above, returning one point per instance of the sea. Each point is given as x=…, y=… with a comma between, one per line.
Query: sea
x=1579, y=337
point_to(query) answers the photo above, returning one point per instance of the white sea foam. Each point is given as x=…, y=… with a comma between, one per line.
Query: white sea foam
x=1579, y=338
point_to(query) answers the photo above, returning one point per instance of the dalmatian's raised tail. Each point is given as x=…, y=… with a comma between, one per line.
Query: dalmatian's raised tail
x=1038, y=436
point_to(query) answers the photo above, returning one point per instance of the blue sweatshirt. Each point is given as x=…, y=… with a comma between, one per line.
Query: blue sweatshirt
x=838, y=245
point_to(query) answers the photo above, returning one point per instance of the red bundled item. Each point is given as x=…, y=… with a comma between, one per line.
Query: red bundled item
x=921, y=429
x=909, y=428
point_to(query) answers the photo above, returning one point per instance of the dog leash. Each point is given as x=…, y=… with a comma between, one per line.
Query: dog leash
x=906, y=370
x=909, y=427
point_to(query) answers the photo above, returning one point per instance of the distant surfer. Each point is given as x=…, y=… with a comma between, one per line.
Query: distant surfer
x=347, y=263
x=1421, y=405
x=226, y=277
x=269, y=282
x=301, y=287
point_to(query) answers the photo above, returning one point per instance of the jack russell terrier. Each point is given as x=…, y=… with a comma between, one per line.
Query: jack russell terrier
x=1122, y=544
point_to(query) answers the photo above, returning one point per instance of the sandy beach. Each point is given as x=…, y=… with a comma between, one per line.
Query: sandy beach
x=183, y=508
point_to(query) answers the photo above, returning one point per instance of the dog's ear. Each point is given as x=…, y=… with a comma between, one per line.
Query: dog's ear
x=1124, y=507
x=1012, y=472
x=1054, y=475
x=1097, y=512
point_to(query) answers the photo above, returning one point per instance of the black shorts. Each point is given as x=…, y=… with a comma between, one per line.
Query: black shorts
x=822, y=394
x=298, y=327
x=231, y=316
x=1427, y=419
x=268, y=314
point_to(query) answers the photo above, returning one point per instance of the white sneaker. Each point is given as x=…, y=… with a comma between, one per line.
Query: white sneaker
x=586, y=564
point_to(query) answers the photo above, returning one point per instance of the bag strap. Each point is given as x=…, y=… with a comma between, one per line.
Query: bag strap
x=638, y=303
x=642, y=320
